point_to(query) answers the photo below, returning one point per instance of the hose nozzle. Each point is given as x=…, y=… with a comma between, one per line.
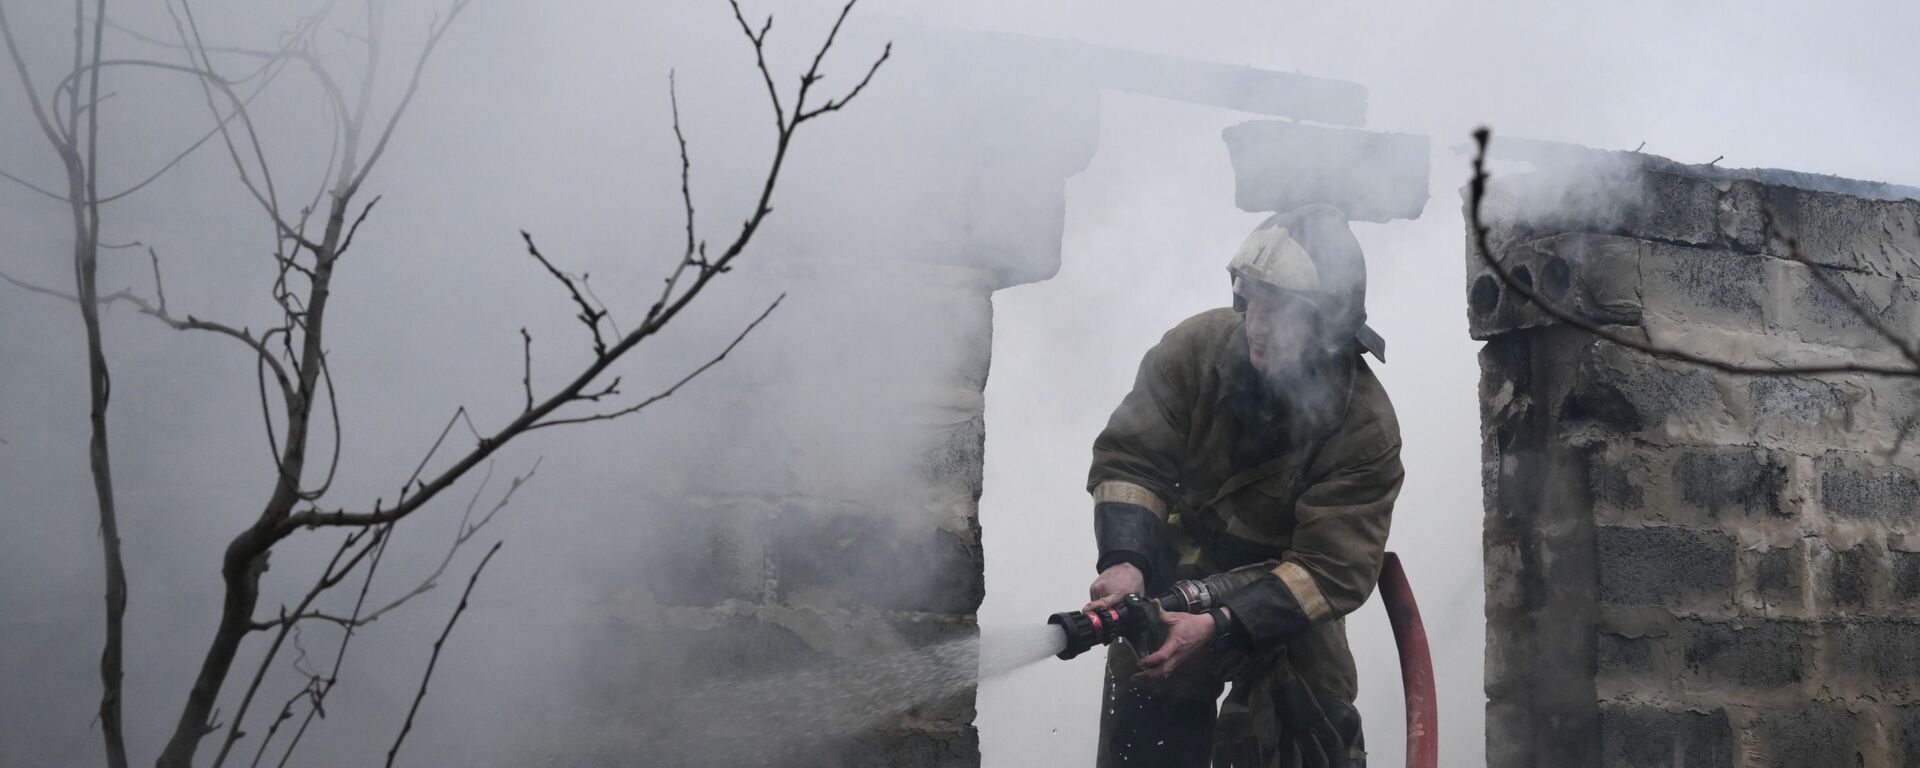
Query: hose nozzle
x=1134, y=619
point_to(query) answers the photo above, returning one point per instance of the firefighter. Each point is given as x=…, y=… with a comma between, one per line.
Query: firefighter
x=1254, y=438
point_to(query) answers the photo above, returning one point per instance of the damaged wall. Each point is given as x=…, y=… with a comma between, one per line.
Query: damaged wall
x=817, y=609
x=1686, y=567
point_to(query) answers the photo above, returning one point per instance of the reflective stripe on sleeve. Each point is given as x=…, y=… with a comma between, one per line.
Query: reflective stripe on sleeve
x=1305, y=590
x=1130, y=493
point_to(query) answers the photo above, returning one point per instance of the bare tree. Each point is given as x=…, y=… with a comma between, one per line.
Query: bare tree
x=293, y=354
x=1909, y=349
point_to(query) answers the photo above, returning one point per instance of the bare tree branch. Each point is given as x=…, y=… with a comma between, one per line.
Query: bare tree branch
x=82, y=198
x=434, y=32
x=295, y=352
x=588, y=316
x=32, y=186
x=465, y=532
x=426, y=490
x=526, y=379
x=668, y=392
x=687, y=258
x=26, y=83
x=331, y=575
x=434, y=660
x=317, y=701
x=188, y=323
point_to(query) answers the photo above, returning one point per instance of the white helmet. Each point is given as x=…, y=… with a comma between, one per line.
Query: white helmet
x=1310, y=253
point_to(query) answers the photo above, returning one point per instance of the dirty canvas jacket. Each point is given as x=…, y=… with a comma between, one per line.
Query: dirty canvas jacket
x=1320, y=505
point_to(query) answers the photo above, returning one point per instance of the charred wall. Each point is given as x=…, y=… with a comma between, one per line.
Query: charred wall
x=1684, y=566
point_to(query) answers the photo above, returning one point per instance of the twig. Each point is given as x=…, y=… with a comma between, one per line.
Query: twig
x=588, y=314
x=686, y=197
x=159, y=287
x=355, y=229
x=434, y=660
x=668, y=392
x=32, y=186
x=526, y=378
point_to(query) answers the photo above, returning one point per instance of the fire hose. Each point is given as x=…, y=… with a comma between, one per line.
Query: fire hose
x=1136, y=620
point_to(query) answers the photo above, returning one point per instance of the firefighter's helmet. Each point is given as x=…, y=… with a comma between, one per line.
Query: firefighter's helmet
x=1310, y=253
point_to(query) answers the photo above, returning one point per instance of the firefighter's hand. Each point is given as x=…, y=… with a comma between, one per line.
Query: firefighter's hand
x=1115, y=582
x=1187, y=633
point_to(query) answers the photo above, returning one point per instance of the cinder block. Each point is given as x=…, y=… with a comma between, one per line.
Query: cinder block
x=861, y=558
x=1590, y=276
x=1697, y=286
x=1906, y=580
x=1806, y=309
x=957, y=456
x=1798, y=411
x=1777, y=578
x=1732, y=482
x=1620, y=391
x=1753, y=654
x=1908, y=738
x=1851, y=487
x=957, y=747
x=1642, y=735
x=1877, y=656
x=1873, y=236
x=1626, y=657
x=1605, y=195
x=701, y=552
x=1742, y=658
x=1848, y=581
x=1814, y=734
x=1618, y=474
x=1668, y=567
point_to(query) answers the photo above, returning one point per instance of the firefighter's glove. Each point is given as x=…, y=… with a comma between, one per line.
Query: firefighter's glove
x=1265, y=613
x=1314, y=732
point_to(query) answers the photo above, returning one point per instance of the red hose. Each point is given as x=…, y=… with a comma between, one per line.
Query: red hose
x=1416, y=665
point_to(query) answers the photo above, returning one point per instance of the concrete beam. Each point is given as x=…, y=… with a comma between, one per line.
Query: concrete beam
x=1371, y=176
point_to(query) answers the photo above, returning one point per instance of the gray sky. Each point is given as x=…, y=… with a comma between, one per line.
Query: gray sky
x=551, y=117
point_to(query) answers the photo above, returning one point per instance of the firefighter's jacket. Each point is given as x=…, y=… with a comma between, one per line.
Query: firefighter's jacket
x=1320, y=505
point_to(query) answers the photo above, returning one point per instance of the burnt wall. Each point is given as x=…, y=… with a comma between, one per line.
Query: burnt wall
x=1685, y=566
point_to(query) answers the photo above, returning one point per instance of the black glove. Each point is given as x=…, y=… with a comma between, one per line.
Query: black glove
x=1315, y=732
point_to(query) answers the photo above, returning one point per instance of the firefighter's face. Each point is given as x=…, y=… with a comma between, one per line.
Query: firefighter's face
x=1280, y=330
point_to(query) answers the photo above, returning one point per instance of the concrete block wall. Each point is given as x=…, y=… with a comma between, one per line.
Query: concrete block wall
x=1686, y=567
x=796, y=597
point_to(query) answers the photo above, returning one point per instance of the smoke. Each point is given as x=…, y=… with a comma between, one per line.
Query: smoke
x=553, y=118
